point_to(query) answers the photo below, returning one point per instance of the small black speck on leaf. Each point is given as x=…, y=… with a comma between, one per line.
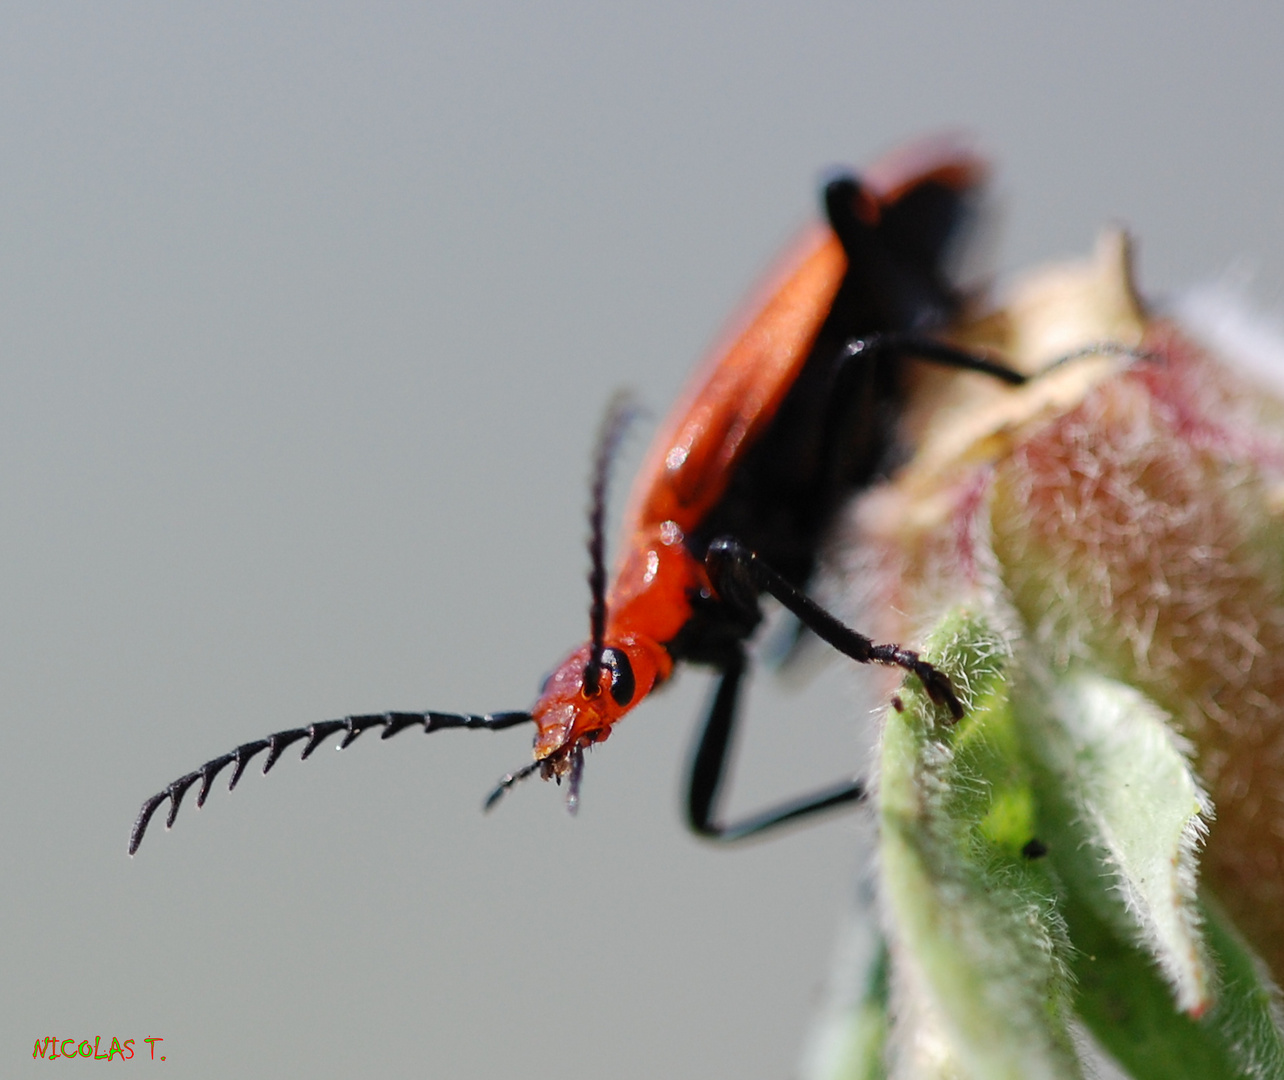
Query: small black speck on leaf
x=1034, y=849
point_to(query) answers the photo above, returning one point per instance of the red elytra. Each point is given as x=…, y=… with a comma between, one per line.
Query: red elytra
x=774, y=431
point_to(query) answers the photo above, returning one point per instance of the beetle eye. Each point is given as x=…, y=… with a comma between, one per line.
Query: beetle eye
x=623, y=685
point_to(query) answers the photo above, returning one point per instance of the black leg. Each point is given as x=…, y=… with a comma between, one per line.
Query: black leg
x=914, y=346
x=740, y=577
x=712, y=755
x=934, y=351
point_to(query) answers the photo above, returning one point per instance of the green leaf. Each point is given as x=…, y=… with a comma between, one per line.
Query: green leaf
x=999, y=959
x=1124, y=816
x=1130, y=1010
x=981, y=986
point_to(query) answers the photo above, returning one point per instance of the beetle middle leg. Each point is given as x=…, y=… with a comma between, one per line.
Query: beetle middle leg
x=712, y=754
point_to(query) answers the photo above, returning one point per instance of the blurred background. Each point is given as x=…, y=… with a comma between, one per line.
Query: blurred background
x=308, y=313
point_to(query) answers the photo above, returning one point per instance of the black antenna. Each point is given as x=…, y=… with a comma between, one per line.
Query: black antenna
x=276, y=744
x=620, y=413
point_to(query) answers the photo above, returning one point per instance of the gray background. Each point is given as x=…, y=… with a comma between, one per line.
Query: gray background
x=307, y=316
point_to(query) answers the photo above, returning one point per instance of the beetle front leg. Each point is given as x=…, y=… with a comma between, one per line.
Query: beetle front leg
x=737, y=570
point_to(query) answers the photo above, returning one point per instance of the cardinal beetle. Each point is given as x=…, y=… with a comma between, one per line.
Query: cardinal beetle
x=737, y=489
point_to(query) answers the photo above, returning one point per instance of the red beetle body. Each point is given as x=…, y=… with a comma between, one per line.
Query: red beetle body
x=774, y=431
x=691, y=486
